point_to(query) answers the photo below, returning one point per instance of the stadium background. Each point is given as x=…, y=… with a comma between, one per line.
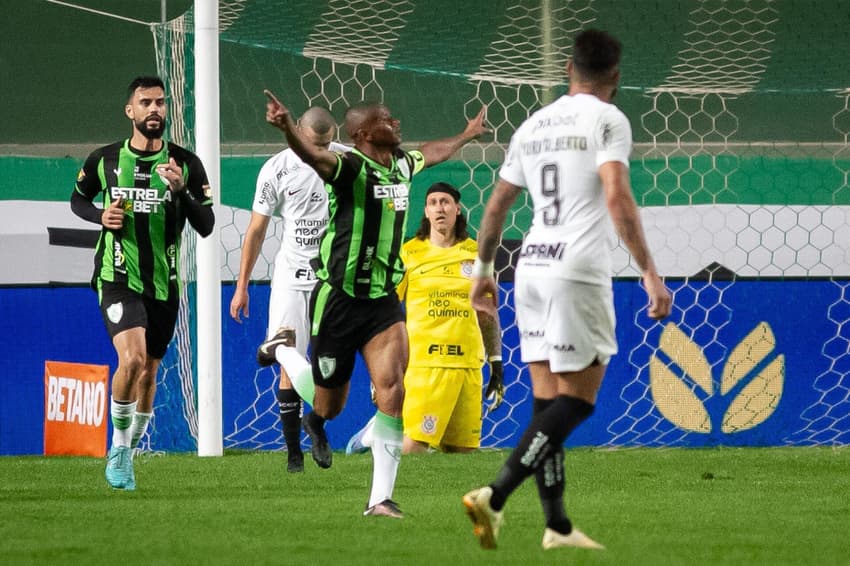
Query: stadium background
x=65, y=72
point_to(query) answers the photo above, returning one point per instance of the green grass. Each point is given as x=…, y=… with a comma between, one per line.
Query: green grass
x=753, y=506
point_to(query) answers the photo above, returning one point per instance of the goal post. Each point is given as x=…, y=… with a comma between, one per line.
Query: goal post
x=207, y=144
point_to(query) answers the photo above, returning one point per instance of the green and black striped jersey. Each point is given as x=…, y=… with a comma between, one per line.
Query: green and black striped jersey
x=144, y=253
x=360, y=251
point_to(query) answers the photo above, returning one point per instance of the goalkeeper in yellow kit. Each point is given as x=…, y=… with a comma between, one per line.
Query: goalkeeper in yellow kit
x=449, y=340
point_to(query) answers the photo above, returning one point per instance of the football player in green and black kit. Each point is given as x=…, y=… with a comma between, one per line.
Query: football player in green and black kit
x=354, y=306
x=147, y=189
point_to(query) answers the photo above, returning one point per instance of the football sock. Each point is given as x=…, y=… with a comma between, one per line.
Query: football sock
x=551, y=499
x=386, y=455
x=299, y=371
x=317, y=422
x=550, y=483
x=544, y=436
x=367, y=433
x=122, y=416
x=290, y=418
x=139, y=427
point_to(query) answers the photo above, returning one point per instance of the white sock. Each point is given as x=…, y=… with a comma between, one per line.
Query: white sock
x=299, y=371
x=386, y=455
x=366, y=437
x=122, y=417
x=139, y=427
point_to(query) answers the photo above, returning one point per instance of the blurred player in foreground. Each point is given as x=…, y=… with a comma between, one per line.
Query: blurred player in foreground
x=573, y=158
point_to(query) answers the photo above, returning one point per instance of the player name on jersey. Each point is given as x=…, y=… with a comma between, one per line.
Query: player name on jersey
x=560, y=143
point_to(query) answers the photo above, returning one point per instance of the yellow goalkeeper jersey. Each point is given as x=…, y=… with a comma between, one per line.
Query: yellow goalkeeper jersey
x=441, y=323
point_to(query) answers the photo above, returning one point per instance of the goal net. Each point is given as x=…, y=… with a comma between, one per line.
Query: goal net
x=741, y=168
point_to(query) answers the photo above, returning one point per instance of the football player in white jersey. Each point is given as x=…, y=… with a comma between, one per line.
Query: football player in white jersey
x=573, y=158
x=292, y=189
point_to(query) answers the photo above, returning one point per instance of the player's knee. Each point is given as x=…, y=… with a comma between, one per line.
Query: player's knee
x=132, y=363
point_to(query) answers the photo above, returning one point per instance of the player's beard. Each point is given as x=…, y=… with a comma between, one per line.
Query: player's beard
x=153, y=133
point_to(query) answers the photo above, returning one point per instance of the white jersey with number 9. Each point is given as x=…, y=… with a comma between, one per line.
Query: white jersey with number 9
x=556, y=154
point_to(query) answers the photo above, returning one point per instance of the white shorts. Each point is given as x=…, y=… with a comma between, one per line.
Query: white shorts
x=568, y=323
x=290, y=307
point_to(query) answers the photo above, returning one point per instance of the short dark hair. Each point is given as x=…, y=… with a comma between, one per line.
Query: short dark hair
x=358, y=114
x=596, y=53
x=145, y=81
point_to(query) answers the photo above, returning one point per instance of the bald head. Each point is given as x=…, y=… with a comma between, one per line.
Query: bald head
x=317, y=126
x=319, y=120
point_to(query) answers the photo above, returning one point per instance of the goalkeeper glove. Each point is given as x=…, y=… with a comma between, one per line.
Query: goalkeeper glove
x=495, y=391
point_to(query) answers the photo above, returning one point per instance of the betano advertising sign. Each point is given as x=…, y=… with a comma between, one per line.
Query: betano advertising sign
x=75, y=403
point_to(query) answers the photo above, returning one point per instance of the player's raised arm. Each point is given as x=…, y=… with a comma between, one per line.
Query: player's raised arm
x=437, y=151
x=323, y=161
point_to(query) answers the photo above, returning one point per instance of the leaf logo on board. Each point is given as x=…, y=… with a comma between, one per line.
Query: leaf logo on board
x=750, y=387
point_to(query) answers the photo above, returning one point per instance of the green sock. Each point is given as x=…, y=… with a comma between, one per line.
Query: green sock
x=122, y=417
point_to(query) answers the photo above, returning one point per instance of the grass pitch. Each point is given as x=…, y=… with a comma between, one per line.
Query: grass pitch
x=753, y=506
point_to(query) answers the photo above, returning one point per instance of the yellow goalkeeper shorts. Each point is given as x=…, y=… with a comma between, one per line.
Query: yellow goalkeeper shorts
x=442, y=406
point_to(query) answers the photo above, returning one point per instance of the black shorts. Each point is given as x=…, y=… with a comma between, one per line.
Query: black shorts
x=341, y=326
x=123, y=308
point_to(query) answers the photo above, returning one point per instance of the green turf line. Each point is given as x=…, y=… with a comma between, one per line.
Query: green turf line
x=712, y=507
